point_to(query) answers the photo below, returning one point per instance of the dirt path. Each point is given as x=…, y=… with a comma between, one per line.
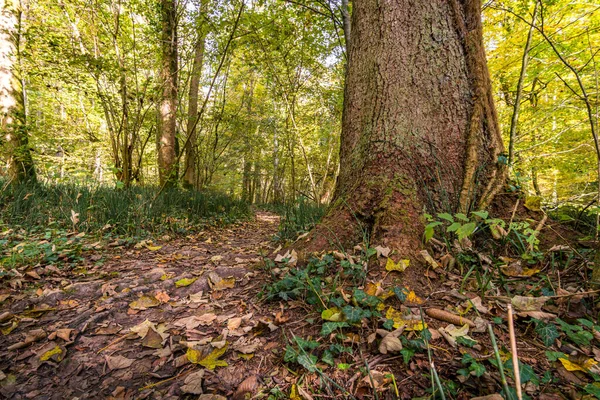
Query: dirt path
x=71, y=330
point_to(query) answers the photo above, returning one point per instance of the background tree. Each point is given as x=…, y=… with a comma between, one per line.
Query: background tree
x=13, y=94
x=167, y=113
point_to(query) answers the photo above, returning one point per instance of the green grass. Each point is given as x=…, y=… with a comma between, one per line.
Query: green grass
x=296, y=218
x=131, y=212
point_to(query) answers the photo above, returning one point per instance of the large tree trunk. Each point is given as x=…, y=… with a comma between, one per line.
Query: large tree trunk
x=13, y=99
x=419, y=129
x=168, y=104
x=190, y=175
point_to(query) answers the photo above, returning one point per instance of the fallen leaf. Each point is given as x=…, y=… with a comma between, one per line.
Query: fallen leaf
x=428, y=259
x=185, y=282
x=234, y=323
x=216, y=258
x=332, y=314
x=408, y=321
x=586, y=365
x=211, y=397
x=523, y=303
x=246, y=346
x=218, y=283
x=162, y=296
x=56, y=353
x=193, y=383
x=197, y=297
x=64, y=334
x=290, y=256
x=144, y=302
x=210, y=361
x=390, y=344
x=246, y=388
x=153, y=248
x=152, y=339
x=400, y=266
x=382, y=251
x=118, y=362
x=194, y=321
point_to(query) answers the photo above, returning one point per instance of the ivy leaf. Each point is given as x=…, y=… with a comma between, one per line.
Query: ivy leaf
x=306, y=345
x=330, y=327
x=547, y=332
x=355, y=314
x=308, y=361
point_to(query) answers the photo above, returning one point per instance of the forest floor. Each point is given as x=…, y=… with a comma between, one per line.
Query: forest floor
x=188, y=317
x=71, y=330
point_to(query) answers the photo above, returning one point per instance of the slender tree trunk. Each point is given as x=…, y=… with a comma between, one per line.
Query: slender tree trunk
x=419, y=129
x=346, y=22
x=517, y=105
x=168, y=104
x=13, y=96
x=189, y=176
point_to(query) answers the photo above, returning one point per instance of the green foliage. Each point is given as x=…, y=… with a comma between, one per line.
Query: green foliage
x=296, y=218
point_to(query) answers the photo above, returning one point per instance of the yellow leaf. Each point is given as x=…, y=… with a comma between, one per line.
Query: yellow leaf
x=246, y=356
x=164, y=277
x=533, y=203
x=332, y=314
x=294, y=395
x=400, y=266
x=144, y=302
x=412, y=298
x=185, y=282
x=211, y=361
x=585, y=366
x=153, y=248
x=400, y=320
x=50, y=353
x=225, y=283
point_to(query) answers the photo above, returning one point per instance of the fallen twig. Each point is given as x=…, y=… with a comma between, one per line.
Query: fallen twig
x=449, y=317
x=513, y=350
x=118, y=340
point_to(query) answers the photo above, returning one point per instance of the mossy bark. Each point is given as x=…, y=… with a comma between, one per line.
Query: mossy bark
x=419, y=129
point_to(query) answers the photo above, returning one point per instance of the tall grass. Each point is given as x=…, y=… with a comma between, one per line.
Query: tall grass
x=296, y=218
x=132, y=211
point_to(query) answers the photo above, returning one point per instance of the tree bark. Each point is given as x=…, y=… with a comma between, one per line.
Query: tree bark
x=419, y=128
x=13, y=99
x=190, y=175
x=168, y=104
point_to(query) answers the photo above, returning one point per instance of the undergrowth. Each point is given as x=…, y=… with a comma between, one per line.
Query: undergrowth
x=296, y=218
x=54, y=224
x=134, y=211
x=487, y=263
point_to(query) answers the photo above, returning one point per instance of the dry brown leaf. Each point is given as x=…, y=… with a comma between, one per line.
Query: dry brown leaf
x=144, y=302
x=193, y=383
x=523, y=303
x=234, y=323
x=390, y=344
x=152, y=339
x=118, y=362
x=162, y=296
x=247, y=387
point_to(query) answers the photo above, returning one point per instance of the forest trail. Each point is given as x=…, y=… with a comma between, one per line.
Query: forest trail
x=121, y=325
